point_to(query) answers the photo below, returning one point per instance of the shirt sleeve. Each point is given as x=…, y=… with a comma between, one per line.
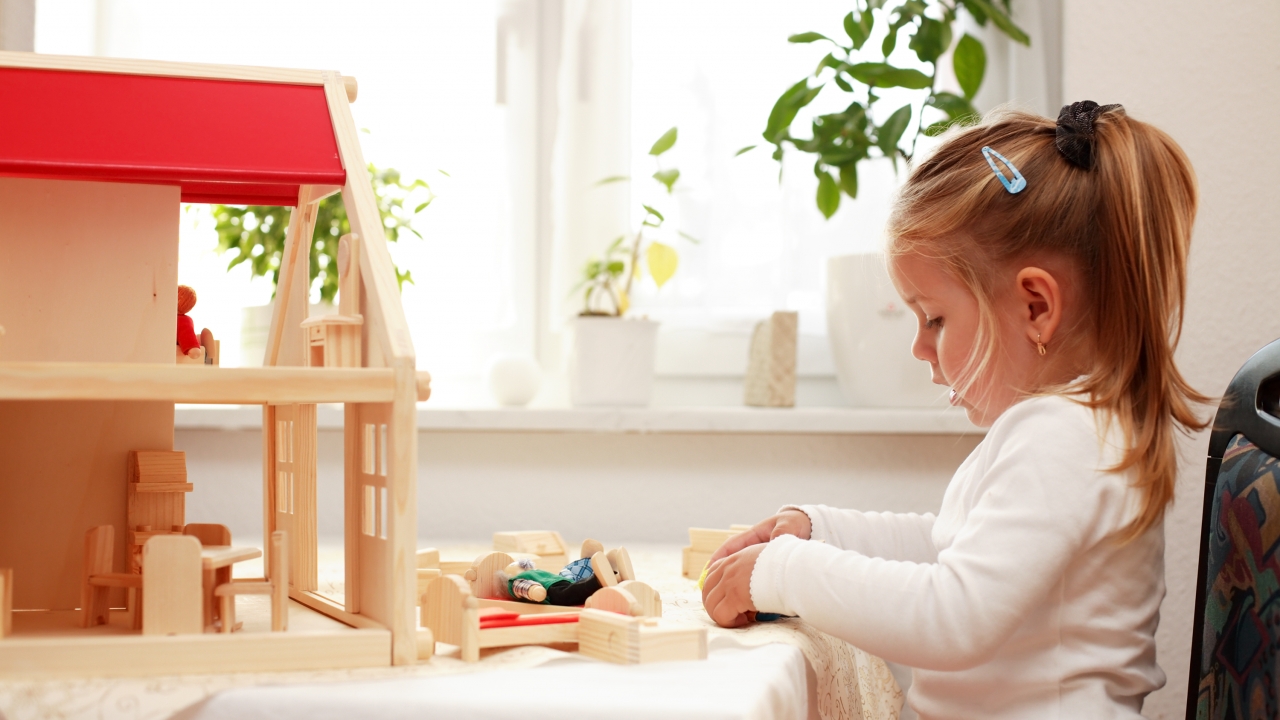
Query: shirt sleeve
x=893, y=536
x=1037, y=506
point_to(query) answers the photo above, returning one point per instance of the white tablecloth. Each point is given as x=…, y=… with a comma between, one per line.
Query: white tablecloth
x=764, y=683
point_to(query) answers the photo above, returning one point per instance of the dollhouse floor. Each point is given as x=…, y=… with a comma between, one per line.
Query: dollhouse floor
x=252, y=610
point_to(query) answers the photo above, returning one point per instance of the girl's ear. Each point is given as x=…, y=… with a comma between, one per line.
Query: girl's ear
x=1040, y=301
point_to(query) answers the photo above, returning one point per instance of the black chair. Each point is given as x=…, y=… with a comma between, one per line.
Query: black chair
x=1234, y=669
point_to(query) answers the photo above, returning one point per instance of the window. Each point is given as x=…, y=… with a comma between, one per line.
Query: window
x=526, y=105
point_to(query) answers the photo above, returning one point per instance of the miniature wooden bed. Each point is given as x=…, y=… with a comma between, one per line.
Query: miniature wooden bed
x=454, y=609
x=96, y=156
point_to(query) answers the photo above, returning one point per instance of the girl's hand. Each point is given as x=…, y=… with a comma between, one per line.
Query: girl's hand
x=727, y=592
x=787, y=522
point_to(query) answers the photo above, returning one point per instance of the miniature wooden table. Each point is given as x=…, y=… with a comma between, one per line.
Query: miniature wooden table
x=216, y=557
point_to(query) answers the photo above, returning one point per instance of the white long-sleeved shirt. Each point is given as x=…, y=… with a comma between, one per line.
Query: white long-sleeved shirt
x=1016, y=601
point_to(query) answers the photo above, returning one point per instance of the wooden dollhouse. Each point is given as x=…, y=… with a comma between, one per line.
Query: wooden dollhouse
x=96, y=156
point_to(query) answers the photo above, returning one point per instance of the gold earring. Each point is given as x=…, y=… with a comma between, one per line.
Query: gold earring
x=1040, y=346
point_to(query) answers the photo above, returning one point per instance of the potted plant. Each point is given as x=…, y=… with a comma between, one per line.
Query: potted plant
x=612, y=355
x=867, y=324
x=256, y=233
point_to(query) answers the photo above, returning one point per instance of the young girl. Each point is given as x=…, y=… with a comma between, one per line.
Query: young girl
x=1046, y=266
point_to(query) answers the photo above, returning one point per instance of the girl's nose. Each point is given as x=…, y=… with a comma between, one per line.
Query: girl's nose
x=922, y=348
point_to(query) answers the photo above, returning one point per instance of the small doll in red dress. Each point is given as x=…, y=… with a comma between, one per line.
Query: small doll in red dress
x=187, y=338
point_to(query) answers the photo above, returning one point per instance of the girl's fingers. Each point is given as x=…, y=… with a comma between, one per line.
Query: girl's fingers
x=756, y=535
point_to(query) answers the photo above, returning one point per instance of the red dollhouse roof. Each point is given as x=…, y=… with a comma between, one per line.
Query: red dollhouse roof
x=223, y=141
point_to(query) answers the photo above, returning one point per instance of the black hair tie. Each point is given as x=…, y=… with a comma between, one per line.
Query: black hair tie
x=1075, y=139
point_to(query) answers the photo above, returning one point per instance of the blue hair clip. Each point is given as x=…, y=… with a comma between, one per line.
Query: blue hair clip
x=1018, y=182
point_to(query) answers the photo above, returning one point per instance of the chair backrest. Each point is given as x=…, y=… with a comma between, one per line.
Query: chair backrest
x=208, y=533
x=99, y=550
x=1234, y=653
x=172, y=586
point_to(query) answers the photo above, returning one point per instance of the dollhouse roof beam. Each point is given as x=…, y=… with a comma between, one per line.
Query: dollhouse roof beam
x=220, y=140
x=124, y=66
x=175, y=383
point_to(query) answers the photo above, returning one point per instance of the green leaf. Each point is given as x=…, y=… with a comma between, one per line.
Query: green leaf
x=807, y=37
x=892, y=129
x=843, y=84
x=662, y=261
x=664, y=143
x=613, y=179
x=979, y=15
x=932, y=38
x=885, y=75
x=828, y=194
x=785, y=109
x=1000, y=18
x=956, y=107
x=667, y=177
x=890, y=41
x=858, y=28
x=970, y=63
x=849, y=179
x=654, y=213
x=746, y=149
x=689, y=237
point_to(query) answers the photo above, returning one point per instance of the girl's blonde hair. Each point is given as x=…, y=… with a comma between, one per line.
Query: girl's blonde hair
x=1125, y=224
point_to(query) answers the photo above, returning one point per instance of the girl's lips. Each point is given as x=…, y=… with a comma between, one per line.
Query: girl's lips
x=954, y=397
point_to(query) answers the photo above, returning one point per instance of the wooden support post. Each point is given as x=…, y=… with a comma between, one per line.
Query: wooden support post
x=6, y=602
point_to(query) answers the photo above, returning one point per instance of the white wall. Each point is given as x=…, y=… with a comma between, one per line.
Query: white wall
x=620, y=488
x=1208, y=75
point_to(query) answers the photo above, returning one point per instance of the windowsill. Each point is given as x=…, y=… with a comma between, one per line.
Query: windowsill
x=785, y=421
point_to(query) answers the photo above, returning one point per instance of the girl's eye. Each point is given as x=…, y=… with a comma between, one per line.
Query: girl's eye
x=932, y=323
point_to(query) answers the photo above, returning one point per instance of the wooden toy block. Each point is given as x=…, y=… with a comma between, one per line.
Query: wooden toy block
x=552, y=553
x=276, y=585
x=6, y=602
x=172, y=593
x=629, y=640
x=771, y=368
x=703, y=542
x=428, y=558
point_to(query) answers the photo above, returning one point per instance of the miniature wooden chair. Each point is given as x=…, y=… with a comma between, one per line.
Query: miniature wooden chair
x=210, y=534
x=172, y=587
x=276, y=585
x=99, y=578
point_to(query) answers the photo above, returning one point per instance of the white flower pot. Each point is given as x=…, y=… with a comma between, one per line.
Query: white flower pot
x=611, y=361
x=871, y=331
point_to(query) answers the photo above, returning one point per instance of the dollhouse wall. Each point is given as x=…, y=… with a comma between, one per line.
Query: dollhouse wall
x=88, y=273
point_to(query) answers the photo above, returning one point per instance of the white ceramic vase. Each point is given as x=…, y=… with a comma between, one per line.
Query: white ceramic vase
x=871, y=331
x=611, y=361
